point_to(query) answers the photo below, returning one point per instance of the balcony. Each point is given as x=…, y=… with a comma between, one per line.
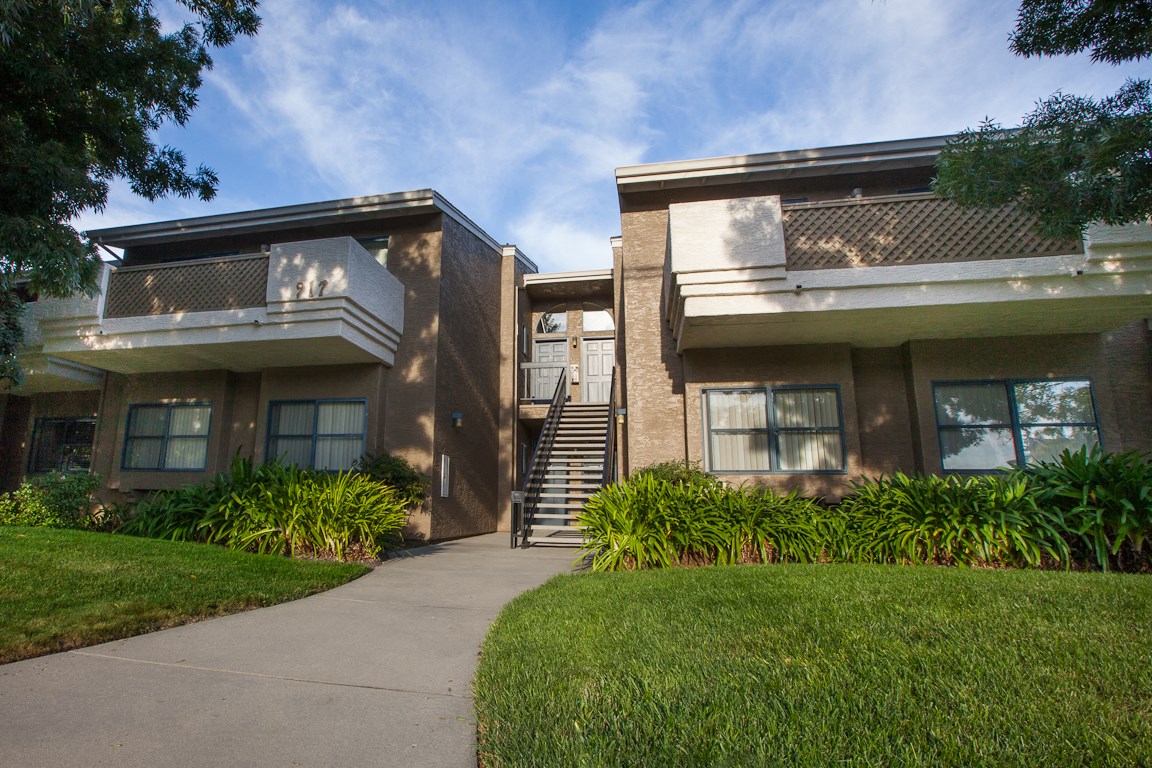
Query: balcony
x=881, y=271
x=316, y=302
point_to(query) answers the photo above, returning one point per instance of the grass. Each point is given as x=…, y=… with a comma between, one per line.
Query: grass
x=63, y=589
x=815, y=665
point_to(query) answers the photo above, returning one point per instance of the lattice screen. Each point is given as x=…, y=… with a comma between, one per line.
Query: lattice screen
x=920, y=230
x=191, y=287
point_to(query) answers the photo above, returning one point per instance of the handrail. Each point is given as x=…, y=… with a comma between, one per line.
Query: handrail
x=526, y=369
x=543, y=452
x=609, y=474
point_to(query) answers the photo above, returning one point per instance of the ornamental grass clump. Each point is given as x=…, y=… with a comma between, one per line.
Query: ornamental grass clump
x=1103, y=502
x=280, y=509
x=929, y=519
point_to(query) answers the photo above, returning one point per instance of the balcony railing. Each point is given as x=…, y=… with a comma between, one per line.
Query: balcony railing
x=538, y=380
x=907, y=230
x=235, y=282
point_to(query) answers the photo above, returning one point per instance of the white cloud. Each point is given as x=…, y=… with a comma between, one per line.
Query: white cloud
x=520, y=120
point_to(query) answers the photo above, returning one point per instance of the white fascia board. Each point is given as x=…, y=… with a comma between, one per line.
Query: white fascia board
x=804, y=162
x=567, y=277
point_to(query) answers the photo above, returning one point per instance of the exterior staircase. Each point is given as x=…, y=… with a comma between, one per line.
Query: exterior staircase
x=572, y=470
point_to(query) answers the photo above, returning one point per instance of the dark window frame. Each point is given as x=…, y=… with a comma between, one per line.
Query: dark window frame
x=316, y=403
x=773, y=431
x=69, y=423
x=1014, y=424
x=129, y=439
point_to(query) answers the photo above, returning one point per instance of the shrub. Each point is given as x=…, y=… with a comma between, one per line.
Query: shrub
x=649, y=521
x=946, y=520
x=279, y=509
x=1104, y=502
x=55, y=500
x=396, y=472
x=677, y=472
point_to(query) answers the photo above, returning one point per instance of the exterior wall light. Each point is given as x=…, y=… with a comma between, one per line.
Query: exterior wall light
x=457, y=419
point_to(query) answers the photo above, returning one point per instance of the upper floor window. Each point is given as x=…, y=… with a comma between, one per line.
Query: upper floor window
x=61, y=445
x=377, y=246
x=988, y=425
x=773, y=429
x=597, y=318
x=167, y=436
x=554, y=320
x=317, y=434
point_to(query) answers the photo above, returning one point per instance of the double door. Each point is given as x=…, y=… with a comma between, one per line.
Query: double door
x=594, y=375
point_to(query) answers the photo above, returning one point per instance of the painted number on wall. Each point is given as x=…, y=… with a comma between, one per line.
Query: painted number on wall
x=314, y=289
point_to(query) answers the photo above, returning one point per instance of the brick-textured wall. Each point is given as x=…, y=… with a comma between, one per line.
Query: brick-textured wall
x=882, y=411
x=654, y=426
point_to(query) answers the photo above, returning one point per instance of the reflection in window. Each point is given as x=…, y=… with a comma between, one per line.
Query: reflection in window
x=782, y=430
x=989, y=425
x=597, y=318
x=554, y=320
x=61, y=445
x=168, y=437
x=378, y=247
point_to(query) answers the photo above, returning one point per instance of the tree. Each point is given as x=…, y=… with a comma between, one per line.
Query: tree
x=1075, y=159
x=84, y=84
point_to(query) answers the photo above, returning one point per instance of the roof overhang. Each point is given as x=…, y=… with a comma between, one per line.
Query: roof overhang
x=557, y=285
x=349, y=209
x=738, y=169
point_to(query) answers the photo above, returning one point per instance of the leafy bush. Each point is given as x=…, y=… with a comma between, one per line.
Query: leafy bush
x=55, y=500
x=394, y=471
x=279, y=509
x=1104, y=502
x=677, y=472
x=946, y=520
x=649, y=521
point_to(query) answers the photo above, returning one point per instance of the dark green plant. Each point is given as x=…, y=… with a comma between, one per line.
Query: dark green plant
x=677, y=472
x=763, y=526
x=1104, y=502
x=925, y=519
x=394, y=471
x=275, y=508
x=54, y=500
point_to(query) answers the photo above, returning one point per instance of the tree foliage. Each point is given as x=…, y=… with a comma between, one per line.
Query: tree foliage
x=84, y=85
x=1075, y=159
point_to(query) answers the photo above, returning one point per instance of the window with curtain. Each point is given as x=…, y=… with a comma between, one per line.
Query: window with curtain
x=61, y=445
x=317, y=434
x=765, y=429
x=167, y=437
x=989, y=425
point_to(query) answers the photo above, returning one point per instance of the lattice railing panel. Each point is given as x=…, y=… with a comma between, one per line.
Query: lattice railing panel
x=197, y=286
x=920, y=230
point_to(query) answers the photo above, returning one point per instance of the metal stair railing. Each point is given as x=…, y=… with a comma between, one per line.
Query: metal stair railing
x=541, y=456
x=609, y=474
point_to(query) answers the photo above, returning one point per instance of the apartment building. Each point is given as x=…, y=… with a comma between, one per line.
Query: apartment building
x=797, y=319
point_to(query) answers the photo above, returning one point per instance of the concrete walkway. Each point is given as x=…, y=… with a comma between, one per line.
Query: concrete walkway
x=373, y=673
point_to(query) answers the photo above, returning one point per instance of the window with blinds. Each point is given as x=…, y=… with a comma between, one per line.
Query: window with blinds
x=773, y=429
x=169, y=437
x=61, y=445
x=317, y=434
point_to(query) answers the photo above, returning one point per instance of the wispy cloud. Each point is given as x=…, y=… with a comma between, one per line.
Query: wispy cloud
x=519, y=115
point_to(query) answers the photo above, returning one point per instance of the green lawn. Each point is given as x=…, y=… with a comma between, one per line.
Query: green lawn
x=67, y=589
x=821, y=665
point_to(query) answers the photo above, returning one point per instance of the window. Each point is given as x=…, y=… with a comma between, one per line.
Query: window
x=782, y=429
x=318, y=434
x=171, y=437
x=61, y=445
x=554, y=320
x=597, y=318
x=988, y=425
x=378, y=247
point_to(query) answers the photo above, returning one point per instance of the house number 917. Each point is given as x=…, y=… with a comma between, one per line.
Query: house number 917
x=314, y=289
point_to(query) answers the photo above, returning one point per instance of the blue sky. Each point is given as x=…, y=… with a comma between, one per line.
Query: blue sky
x=519, y=112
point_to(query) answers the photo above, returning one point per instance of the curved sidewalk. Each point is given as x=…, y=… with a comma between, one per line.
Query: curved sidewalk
x=375, y=672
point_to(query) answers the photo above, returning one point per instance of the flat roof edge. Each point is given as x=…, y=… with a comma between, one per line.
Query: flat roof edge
x=721, y=169
x=392, y=204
